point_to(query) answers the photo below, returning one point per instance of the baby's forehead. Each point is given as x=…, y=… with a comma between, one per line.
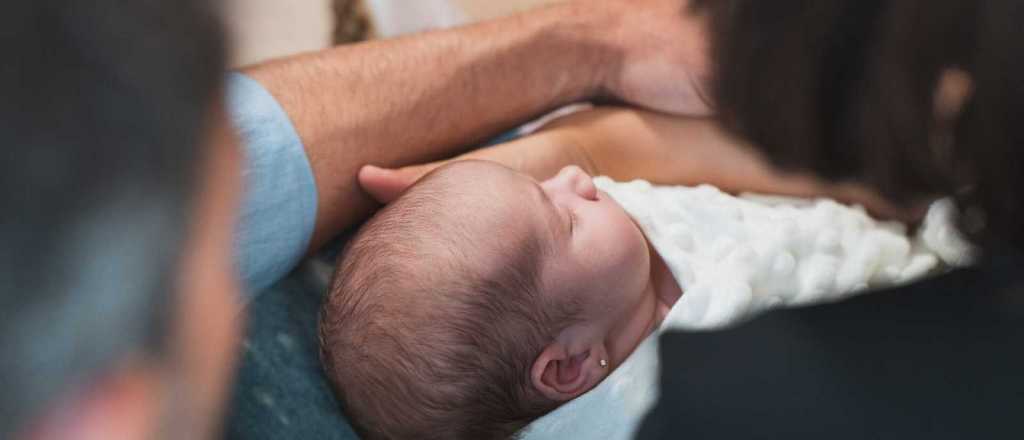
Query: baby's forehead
x=475, y=217
x=485, y=198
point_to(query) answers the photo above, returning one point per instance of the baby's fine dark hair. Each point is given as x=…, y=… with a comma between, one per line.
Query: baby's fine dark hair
x=419, y=339
x=847, y=88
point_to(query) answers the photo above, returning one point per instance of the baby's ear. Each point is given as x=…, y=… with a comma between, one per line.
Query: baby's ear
x=561, y=375
x=386, y=185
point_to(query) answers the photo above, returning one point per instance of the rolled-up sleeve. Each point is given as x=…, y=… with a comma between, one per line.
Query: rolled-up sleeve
x=278, y=211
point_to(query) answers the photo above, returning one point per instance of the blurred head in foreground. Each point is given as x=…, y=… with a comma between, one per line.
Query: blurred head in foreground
x=118, y=189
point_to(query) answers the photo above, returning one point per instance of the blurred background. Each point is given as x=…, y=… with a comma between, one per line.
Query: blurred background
x=265, y=29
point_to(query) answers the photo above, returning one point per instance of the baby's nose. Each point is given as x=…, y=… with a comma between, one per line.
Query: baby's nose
x=580, y=182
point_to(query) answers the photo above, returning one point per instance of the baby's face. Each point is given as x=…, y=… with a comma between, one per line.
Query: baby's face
x=597, y=257
x=601, y=260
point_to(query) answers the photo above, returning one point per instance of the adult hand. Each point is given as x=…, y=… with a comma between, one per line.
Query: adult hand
x=539, y=156
x=660, y=54
x=386, y=184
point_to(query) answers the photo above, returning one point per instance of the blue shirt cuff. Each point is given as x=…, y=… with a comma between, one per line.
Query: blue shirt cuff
x=278, y=212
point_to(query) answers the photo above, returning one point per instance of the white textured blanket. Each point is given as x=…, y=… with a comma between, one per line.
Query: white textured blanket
x=737, y=256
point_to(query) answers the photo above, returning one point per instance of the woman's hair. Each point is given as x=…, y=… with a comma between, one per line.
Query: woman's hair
x=420, y=340
x=847, y=88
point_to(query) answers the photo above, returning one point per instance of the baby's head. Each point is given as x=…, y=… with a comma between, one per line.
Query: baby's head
x=481, y=300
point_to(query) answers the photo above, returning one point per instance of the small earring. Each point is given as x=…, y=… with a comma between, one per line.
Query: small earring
x=603, y=363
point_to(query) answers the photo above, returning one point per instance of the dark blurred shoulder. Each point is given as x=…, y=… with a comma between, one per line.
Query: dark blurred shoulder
x=939, y=359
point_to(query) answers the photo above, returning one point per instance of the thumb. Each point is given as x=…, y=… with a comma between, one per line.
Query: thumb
x=385, y=185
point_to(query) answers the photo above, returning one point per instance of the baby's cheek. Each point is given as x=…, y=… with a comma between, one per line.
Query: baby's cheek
x=634, y=241
x=639, y=256
x=627, y=259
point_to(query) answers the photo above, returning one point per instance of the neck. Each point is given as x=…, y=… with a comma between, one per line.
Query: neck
x=660, y=294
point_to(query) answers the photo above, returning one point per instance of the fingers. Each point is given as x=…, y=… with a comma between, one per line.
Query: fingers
x=385, y=185
x=878, y=206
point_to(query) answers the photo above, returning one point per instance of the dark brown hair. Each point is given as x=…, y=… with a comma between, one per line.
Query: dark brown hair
x=105, y=111
x=421, y=343
x=846, y=88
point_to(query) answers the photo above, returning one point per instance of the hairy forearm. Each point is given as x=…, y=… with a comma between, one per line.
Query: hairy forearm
x=409, y=100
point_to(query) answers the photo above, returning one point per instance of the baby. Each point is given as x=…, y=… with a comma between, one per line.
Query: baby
x=482, y=299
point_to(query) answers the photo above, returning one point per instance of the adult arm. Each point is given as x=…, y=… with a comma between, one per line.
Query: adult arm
x=425, y=97
x=627, y=144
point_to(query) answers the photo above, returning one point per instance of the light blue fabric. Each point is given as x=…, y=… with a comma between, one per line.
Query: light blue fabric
x=279, y=207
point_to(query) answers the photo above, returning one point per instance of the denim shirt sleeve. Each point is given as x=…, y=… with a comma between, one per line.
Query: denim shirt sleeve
x=278, y=211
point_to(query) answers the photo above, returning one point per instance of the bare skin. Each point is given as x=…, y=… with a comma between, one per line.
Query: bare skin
x=627, y=144
x=427, y=97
